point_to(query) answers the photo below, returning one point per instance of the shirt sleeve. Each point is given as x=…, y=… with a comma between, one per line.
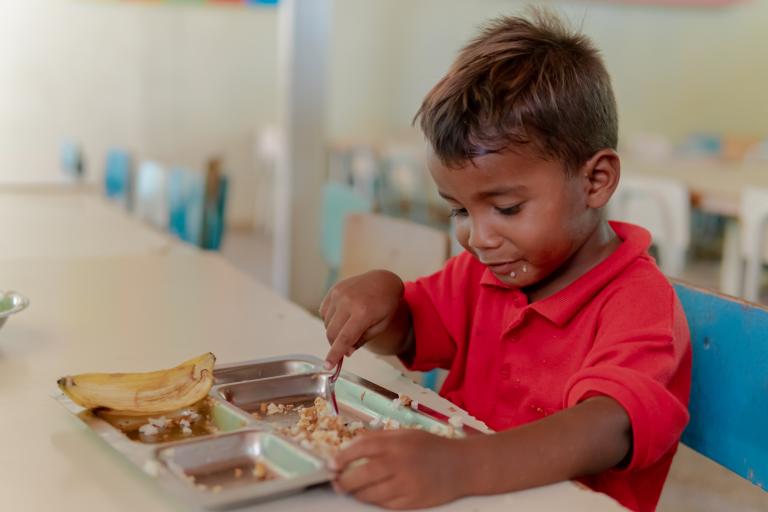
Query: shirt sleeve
x=642, y=359
x=440, y=307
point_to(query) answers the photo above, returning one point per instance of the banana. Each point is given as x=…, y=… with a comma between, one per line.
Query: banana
x=140, y=393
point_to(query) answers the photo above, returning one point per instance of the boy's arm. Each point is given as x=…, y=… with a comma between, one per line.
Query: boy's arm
x=588, y=438
x=412, y=469
x=397, y=338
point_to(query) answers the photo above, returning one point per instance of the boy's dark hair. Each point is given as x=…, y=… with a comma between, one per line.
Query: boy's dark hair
x=522, y=82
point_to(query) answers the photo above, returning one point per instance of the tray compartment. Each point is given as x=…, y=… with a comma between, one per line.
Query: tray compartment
x=207, y=417
x=266, y=368
x=240, y=466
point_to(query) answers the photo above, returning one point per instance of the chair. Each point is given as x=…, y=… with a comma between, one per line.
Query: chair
x=701, y=145
x=216, y=186
x=408, y=249
x=186, y=191
x=71, y=158
x=753, y=215
x=663, y=207
x=729, y=402
x=339, y=200
x=117, y=177
x=150, y=196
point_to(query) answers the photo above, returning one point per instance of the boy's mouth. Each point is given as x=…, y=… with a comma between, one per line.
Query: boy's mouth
x=502, y=267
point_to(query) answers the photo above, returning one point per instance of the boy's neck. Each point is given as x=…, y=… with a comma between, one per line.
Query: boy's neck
x=600, y=244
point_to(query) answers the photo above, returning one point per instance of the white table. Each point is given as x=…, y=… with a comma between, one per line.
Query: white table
x=146, y=312
x=64, y=223
x=715, y=185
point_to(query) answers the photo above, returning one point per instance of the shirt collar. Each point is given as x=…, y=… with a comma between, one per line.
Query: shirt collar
x=560, y=307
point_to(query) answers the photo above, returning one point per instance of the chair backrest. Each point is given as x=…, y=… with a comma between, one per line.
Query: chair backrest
x=216, y=187
x=661, y=205
x=150, y=194
x=71, y=159
x=406, y=248
x=339, y=200
x=729, y=392
x=753, y=215
x=186, y=194
x=117, y=177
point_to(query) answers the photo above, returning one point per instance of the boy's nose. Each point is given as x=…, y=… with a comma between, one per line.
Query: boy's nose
x=482, y=236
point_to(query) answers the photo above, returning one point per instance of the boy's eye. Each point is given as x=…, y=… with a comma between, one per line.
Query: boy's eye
x=512, y=210
x=458, y=212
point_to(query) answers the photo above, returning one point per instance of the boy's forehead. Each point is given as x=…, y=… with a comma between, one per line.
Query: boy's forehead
x=494, y=174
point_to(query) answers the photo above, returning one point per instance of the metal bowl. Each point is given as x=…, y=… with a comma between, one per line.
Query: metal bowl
x=10, y=303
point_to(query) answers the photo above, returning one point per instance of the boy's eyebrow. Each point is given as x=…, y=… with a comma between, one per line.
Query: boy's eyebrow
x=484, y=194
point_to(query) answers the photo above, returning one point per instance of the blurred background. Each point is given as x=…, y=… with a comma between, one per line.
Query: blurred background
x=254, y=128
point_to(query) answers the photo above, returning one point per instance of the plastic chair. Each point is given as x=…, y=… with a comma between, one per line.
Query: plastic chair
x=701, y=145
x=339, y=200
x=216, y=186
x=150, y=197
x=728, y=403
x=663, y=207
x=753, y=215
x=373, y=241
x=71, y=158
x=408, y=249
x=117, y=177
x=186, y=190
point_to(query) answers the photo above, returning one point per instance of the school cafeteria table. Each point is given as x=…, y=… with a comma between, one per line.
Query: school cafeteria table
x=62, y=223
x=715, y=185
x=142, y=312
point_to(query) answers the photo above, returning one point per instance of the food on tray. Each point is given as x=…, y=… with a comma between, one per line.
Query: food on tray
x=143, y=393
x=406, y=401
x=319, y=430
x=175, y=425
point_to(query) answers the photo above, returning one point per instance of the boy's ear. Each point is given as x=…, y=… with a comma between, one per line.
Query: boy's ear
x=601, y=177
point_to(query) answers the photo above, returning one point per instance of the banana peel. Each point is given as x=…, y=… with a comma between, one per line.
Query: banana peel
x=143, y=393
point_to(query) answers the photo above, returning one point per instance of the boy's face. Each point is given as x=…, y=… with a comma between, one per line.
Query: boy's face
x=522, y=216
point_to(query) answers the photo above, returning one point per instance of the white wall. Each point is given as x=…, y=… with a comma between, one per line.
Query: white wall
x=169, y=82
x=180, y=83
x=675, y=70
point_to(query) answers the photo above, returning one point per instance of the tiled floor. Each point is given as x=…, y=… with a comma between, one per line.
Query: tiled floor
x=695, y=483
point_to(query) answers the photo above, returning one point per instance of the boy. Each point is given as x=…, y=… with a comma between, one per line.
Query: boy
x=558, y=329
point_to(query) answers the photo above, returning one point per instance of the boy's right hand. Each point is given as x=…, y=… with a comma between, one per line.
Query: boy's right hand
x=358, y=309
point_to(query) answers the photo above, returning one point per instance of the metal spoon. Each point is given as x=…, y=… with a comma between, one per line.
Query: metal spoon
x=331, y=387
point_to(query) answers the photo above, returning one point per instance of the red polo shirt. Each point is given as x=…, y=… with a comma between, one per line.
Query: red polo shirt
x=617, y=331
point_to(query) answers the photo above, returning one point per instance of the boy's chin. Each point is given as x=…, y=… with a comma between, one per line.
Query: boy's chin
x=518, y=280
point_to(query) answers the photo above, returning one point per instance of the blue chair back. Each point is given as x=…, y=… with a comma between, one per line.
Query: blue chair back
x=71, y=159
x=215, y=217
x=117, y=177
x=729, y=392
x=339, y=200
x=186, y=191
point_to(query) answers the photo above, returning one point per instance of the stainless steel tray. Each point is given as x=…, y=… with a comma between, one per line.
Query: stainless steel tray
x=237, y=456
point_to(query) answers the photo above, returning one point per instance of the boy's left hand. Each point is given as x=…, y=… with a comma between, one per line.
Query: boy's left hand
x=402, y=469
